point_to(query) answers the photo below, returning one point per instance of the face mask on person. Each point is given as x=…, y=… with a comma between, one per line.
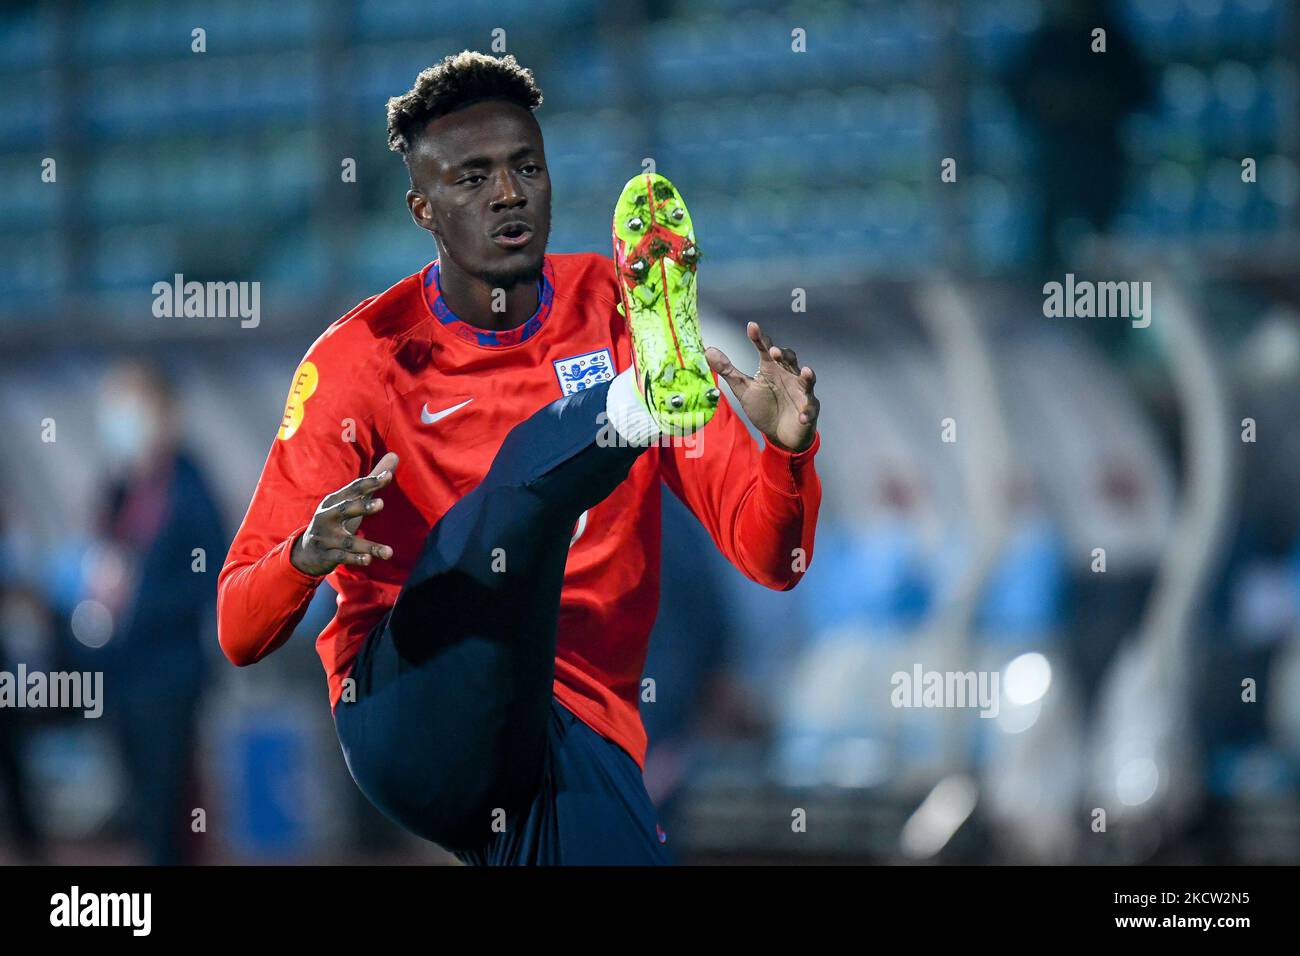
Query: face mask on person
x=127, y=431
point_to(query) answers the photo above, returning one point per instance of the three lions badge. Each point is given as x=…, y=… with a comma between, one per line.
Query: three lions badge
x=583, y=371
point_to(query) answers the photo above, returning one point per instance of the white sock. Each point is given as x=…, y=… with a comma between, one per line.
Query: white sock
x=627, y=411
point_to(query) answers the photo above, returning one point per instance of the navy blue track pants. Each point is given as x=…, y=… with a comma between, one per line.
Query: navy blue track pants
x=455, y=733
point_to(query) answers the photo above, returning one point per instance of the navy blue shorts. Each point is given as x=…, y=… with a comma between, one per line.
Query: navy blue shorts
x=592, y=808
x=454, y=730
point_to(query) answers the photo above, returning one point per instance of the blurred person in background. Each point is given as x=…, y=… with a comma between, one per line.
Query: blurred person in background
x=1074, y=102
x=158, y=529
x=24, y=631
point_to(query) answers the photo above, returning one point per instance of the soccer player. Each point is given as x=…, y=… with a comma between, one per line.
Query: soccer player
x=502, y=421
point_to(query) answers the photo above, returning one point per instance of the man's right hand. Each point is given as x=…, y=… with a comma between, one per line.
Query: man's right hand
x=331, y=539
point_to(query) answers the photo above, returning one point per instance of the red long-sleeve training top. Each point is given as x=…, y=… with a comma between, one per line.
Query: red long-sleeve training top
x=402, y=373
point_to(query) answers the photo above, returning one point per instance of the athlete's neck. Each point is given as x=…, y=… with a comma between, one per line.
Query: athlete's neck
x=479, y=303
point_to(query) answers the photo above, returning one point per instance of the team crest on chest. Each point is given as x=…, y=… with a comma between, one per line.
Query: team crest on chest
x=583, y=371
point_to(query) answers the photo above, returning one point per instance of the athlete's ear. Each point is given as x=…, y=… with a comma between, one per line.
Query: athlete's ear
x=421, y=210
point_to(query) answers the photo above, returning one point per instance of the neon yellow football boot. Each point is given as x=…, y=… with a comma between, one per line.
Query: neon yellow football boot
x=654, y=248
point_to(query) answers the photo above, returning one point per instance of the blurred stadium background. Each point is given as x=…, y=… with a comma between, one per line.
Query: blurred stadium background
x=817, y=171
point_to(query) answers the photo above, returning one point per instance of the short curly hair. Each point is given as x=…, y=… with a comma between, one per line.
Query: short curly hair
x=458, y=81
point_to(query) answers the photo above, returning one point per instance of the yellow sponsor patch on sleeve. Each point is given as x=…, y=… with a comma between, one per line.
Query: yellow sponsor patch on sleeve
x=304, y=385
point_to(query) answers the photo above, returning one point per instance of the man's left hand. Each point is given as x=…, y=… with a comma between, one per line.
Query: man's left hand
x=779, y=398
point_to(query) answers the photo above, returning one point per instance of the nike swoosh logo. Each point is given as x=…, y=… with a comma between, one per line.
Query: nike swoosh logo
x=428, y=417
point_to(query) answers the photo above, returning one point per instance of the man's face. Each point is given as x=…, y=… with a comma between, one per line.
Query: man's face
x=481, y=187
